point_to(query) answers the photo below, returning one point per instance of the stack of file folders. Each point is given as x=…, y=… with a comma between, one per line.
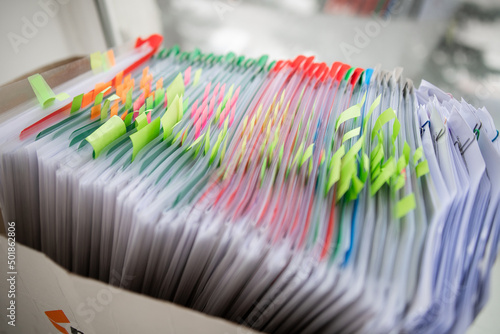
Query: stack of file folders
x=289, y=196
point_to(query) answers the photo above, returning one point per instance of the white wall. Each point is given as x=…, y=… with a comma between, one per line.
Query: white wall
x=35, y=33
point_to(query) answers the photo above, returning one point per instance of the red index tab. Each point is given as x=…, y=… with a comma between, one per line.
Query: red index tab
x=58, y=317
x=355, y=75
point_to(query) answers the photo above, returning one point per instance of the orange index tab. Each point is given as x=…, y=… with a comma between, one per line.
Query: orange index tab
x=95, y=111
x=114, y=109
x=87, y=99
x=111, y=57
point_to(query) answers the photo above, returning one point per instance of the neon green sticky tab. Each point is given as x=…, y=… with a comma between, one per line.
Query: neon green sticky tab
x=178, y=135
x=113, y=97
x=347, y=170
x=400, y=182
x=144, y=136
x=43, y=92
x=395, y=129
x=351, y=112
x=105, y=109
x=98, y=98
x=128, y=101
x=355, y=148
x=352, y=133
x=197, y=76
x=175, y=88
x=422, y=168
x=401, y=164
x=128, y=119
x=197, y=141
x=405, y=205
x=298, y=155
x=363, y=175
x=77, y=103
x=96, y=62
x=104, y=61
x=170, y=117
x=106, y=134
x=374, y=105
x=406, y=152
x=141, y=121
x=334, y=168
x=159, y=96
x=387, y=171
x=419, y=153
x=385, y=117
x=207, y=140
x=356, y=186
x=180, y=109
x=150, y=102
x=215, y=149
x=307, y=154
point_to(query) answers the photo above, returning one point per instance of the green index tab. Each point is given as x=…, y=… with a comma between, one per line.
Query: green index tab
x=43, y=92
x=175, y=88
x=385, y=117
x=170, y=117
x=144, y=136
x=405, y=205
x=350, y=134
x=106, y=134
x=197, y=76
x=141, y=121
x=334, y=168
x=77, y=103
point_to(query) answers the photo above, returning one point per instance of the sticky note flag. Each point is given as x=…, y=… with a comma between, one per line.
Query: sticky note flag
x=106, y=134
x=128, y=101
x=96, y=62
x=197, y=76
x=141, y=121
x=87, y=99
x=187, y=76
x=150, y=102
x=105, y=109
x=175, y=88
x=111, y=57
x=144, y=136
x=95, y=111
x=114, y=109
x=43, y=92
x=170, y=117
x=77, y=103
x=405, y=205
x=159, y=96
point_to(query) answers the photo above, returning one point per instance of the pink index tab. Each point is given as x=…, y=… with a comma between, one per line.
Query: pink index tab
x=236, y=95
x=197, y=129
x=193, y=110
x=148, y=112
x=221, y=95
x=187, y=76
x=204, y=117
x=207, y=90
x=139, y=102
x=211, y=107
x=216, y=90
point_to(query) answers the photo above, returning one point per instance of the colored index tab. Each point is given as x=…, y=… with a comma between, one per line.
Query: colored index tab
x=422, y=168
x=141, y=121
x=374, y=105
x=77, y=103
x=170, y=117
x=144, y=136
x=106, y=134
x=352, y=133
x=175, y=88
x=405, y=205
x=385, y=117
x=197, y=76
x=349, y=113
x=43, y=92
x=96, y=62
x=334, y=168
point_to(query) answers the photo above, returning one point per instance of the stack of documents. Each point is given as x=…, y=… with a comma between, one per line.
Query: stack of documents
x=289, y=196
